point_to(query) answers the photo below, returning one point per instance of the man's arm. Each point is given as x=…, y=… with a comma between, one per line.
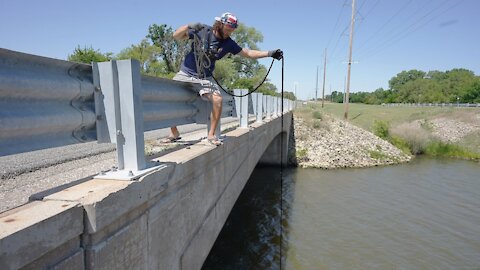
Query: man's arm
x=181, y=33
x=254, y=54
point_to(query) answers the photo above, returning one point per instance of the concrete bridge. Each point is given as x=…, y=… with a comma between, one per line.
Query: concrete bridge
x=168, y=218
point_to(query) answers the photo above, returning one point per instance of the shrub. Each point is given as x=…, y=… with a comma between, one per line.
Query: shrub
x=427, y=125
x=317, y=115
x=302, y=155
x=380, y=128
x=400, y=144
x=318, y=124
x=378, y=155
x=440, y=149
x=413, y=135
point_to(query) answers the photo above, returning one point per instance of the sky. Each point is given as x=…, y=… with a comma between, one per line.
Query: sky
x=389, y=36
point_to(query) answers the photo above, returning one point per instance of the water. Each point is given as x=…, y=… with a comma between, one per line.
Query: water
x=421, y=215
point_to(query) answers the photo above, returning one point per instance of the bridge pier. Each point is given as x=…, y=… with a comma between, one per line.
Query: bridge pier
x=279, y=146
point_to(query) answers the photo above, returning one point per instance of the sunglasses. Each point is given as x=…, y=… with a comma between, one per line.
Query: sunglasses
x=231, y=25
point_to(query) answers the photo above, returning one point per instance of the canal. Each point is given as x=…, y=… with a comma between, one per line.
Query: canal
x=420, y=215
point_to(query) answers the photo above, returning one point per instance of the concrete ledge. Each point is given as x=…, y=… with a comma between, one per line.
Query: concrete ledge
x=31, y=231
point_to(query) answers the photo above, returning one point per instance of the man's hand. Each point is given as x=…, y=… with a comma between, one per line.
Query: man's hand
x=195, y=26
x=277, y=54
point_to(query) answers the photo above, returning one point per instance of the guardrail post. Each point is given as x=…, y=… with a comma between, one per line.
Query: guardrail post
x=275, y=106
x=264, y=106
x=272, y=106
x=119, y=103
x=242, y=106
x=257, y=99
x=268, y=107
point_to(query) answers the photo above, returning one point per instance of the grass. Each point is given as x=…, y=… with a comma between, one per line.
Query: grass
x=377, y=155
x=441, y=149
x=363, y=115
x=313, y=117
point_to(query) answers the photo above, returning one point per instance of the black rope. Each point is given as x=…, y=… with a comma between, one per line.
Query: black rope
x=199, y=48
x=254, y=90
x=281, y=178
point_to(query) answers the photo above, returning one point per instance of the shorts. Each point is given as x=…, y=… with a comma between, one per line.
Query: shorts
x=202, y=86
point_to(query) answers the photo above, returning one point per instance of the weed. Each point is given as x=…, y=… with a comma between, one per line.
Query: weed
x=302, y=155
x=379, y=155
x=400, y=144
x=440, y=149
x=380, y=128
x=317, y=115
x=427, y=125
x=318, y=124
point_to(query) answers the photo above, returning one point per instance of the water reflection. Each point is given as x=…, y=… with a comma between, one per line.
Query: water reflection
x=250, y=238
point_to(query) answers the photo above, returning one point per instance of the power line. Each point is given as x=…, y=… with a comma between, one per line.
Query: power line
x=393, y=37
x=336, y=23
x=406, y=32
x=384, y=25
x=393, y=31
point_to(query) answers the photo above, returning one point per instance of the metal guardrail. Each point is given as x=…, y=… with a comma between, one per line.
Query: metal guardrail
x=463, y=105
x=44, y=103
x=48, y=102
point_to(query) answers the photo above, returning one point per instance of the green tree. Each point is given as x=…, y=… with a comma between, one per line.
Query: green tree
x=225, y=72
x=171, y=50
x=289, y=95
x=147, y=55
x=403, y=77
x=88, y=55
x=472, y=93
x=337, y=97
x=247, y=37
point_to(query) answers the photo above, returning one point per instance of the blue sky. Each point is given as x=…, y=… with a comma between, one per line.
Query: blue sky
x=390, y=36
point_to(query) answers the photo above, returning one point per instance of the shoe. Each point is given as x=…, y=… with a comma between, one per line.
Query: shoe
x=214, y=141
x=170, y=139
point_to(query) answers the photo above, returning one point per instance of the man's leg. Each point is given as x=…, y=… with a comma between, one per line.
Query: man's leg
x=173, y=137
x=216, y=100
x=174, y=133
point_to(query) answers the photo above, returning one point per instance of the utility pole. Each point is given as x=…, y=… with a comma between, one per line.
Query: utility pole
x=331, y=99
x=345, y=116
x=324, y=73
x=316, y=87
x=295, y=89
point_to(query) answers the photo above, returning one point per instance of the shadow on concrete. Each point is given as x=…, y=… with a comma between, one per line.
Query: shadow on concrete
x=255, y=235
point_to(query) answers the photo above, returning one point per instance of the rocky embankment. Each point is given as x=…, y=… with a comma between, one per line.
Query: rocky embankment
x=331, y=143
x=450, y=130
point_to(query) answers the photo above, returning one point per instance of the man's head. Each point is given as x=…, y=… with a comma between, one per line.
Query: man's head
x=225, y=24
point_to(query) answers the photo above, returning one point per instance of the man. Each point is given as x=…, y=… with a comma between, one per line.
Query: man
x=199, y=64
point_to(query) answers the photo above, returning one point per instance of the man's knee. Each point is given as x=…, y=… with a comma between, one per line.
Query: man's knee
x=217, y=99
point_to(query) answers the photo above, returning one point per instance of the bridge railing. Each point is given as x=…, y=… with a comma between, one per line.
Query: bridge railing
x=47, y=103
